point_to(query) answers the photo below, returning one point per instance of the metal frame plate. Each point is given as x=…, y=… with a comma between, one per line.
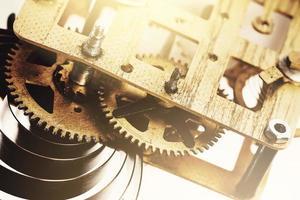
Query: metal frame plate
x=37, y=23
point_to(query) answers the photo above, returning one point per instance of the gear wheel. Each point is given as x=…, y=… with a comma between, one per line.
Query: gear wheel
x=30, y=76
x=153, y=126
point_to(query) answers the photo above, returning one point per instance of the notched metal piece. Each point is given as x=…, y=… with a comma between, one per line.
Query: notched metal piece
x=271, y=75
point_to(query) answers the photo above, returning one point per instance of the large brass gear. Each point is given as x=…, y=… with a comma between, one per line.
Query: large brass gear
x=65, y=117
x=151, y=124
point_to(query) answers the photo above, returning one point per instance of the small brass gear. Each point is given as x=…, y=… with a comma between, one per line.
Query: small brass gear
x=30, y=76
x=153, y=126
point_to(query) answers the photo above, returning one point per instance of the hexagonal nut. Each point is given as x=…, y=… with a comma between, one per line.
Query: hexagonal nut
x=278, y=131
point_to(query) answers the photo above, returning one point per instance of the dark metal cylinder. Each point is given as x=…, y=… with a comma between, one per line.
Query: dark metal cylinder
x=81, y=74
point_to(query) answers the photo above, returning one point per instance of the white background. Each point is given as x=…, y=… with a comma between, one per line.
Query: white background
x=283, y=182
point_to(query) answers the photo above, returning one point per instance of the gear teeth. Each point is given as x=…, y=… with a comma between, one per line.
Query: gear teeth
x=206, y=147
x=59, y=132
x=40, y=123
x=211, y=143
x=109, y=115
x=63, y=134
x=159, y=150
x=18, y=100
x=34, y=118
x=85, y=138
x=135, y=141
x=172, y=153
x=215, y=140
x=117, y=127
x=80, y=137
x=7, y=75
x=9, y=84
x=46, y=127
x=122, y=131
x=7, y=67
x=13, y=92
x=103, y=105
x=193, y=151
x=27, y=112
x=178, y=153
x=200, y=150
x=55, y=131
x=21, y=106
x=101, y=93
x=112, y=121
x=147, y=146
x=94, y=139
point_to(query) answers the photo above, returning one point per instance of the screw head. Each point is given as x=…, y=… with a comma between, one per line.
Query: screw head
x=278, y=131
x=264, y=26
x=171, y=85
x=294, y=58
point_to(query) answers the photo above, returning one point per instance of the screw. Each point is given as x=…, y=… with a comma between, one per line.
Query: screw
x=92, y=47
x=278, y=131
x=290, y=67
x=294, y=59
x=264, y=26
x=264, y=23
x=171, y=85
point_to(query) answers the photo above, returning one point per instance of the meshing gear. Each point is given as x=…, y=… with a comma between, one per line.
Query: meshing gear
x=156, y=126
x=151, y=124
x=31, y=79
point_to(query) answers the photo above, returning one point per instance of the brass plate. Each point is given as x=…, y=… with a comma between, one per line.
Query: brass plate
x=37, y=23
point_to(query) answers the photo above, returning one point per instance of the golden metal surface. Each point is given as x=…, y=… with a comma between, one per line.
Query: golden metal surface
x=136, y=78
x=207, y=174
x=38, y=24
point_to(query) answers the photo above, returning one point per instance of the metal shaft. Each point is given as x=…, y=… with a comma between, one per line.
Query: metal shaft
x=255, y=172
x=81, y=74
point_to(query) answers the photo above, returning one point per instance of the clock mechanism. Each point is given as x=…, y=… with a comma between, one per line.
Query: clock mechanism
x=92, y=90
